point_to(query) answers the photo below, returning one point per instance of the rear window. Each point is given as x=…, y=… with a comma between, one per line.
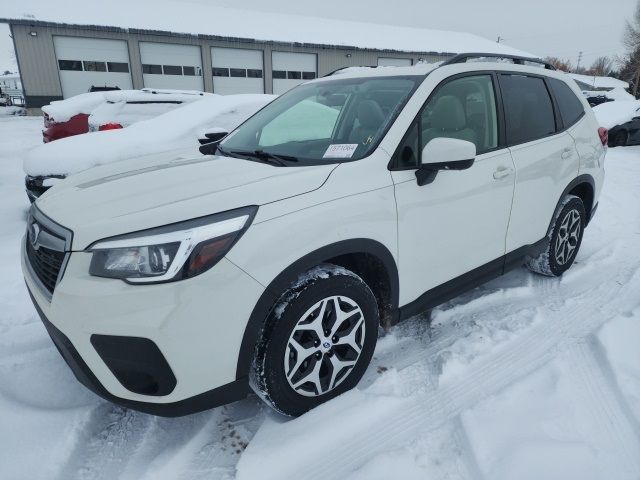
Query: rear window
x=527, y=107
x=571, y=108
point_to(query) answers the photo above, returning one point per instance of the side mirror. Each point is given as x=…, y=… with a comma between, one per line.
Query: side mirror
x=444, y=154
x=209, y=140
x=213, y=135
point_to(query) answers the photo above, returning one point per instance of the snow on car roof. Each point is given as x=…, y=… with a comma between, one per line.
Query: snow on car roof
x=599, y=82
x=150, y=95
x=200, y=18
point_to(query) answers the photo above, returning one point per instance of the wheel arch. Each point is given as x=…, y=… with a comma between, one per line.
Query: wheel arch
x=583, y=187
x=366, y=257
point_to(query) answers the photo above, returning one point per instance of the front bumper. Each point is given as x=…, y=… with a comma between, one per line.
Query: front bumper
x=197, y=325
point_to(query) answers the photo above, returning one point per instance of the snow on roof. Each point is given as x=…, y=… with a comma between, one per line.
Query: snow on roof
x=196, y=18
x=615, y=113
x=599, y=82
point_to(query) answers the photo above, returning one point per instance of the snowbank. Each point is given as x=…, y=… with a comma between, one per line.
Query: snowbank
x=173, y=130
x=615, y=113
x=12, y=110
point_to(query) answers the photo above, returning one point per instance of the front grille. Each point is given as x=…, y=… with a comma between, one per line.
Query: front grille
x=46, y=265
x=46, y=247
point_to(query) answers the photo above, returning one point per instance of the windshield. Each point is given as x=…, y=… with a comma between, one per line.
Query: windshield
x=323, y=122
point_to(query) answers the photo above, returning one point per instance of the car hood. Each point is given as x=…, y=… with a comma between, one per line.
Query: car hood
x=130, y=196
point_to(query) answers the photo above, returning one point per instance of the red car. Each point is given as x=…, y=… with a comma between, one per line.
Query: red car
x=65, y=118
x=55, y=130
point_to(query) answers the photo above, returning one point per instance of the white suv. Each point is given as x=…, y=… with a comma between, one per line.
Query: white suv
x=353, y=201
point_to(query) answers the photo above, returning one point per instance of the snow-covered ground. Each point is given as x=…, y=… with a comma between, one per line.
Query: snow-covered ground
x=526, y=377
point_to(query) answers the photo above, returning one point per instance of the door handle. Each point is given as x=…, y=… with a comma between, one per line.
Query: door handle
x=566, y=153
x=502, y=172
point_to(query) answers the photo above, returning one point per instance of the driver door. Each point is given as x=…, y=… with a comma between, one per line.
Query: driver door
x=458, y=223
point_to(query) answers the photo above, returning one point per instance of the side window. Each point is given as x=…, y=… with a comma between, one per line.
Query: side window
x=527, y=107
x=464, y=108
x=570, y=107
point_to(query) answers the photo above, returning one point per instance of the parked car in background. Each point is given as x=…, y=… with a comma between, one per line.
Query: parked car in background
x=124, y=108
x=65, y=118
x=107, y=108
x=348, y=203
x=180, y=130
x=622, y=118
x=626, y=134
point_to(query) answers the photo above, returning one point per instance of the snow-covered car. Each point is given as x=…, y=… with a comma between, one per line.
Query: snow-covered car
x=109, y=109
x=122, y=109
x=177, y=130
x=622, y=118
x=349, y=202
x=65, y=118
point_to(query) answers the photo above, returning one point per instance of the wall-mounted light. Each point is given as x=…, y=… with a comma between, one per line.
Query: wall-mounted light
x=348, y=55
x=33, y=34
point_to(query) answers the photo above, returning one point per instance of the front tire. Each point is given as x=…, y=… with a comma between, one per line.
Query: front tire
x=565, y=238
x=317, y=342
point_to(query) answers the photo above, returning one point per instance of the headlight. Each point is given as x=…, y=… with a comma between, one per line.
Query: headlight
x=169, y=253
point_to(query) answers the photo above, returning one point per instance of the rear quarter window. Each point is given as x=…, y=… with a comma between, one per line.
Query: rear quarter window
x=571, y=108
x=527, y=107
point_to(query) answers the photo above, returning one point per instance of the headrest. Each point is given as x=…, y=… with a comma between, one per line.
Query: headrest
x=448, y=114
x=370, y=115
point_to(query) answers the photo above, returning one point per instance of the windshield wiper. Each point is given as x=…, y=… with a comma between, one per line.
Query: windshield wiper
x=267, y=157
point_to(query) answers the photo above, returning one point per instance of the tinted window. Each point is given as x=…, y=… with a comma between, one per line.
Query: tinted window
x=527, y=107
x=154, y=69
x=220, y=72
x=254, y=73
x=172, y=69
x=70, y=65
x=294, y=75
x=238, y=72
x=279, y=74
x=118, y=67
x=308, y=75
x=190, y=71
x=571, y=108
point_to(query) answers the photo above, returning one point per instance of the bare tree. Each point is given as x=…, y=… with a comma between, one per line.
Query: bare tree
x=560, y=64
x=601, y=67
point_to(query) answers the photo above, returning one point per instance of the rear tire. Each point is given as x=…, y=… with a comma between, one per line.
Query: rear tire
x=317, y=342
x=565, y=238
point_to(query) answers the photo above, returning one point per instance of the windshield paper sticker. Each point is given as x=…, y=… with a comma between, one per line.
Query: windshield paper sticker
x=340, y=150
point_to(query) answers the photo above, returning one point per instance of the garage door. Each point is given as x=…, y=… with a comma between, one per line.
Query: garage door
x=291, y=69
x=394, y=62
x=237, y=70
x=167, y=65
x=87, y=62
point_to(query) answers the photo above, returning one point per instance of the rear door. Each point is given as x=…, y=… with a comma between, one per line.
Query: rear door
x=545, y=157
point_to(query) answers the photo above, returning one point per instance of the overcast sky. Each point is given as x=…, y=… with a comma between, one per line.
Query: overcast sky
x=559, y=28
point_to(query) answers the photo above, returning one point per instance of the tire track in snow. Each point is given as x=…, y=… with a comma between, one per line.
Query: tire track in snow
x=606, y=408
x=568, y=319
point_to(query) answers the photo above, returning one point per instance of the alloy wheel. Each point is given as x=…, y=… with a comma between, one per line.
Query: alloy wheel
x=324, y=346
x=568, y=237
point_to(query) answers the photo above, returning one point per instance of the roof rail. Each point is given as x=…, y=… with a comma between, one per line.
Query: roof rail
x=350, y=66
x=463, y=57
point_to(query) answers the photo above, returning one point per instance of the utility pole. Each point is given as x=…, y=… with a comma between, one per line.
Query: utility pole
x=578, y=64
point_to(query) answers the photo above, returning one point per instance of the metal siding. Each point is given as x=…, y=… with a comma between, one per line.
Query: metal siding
x=39, y=70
